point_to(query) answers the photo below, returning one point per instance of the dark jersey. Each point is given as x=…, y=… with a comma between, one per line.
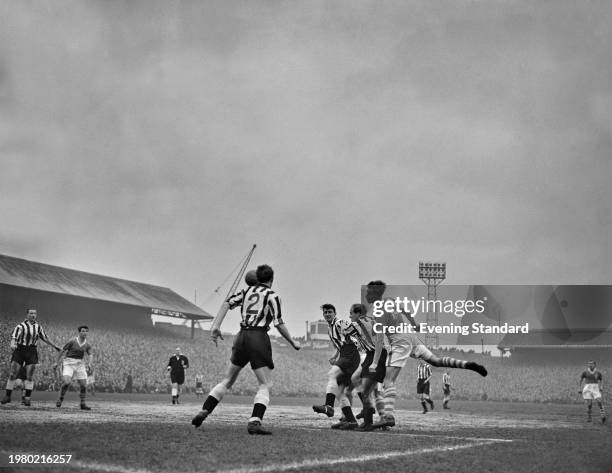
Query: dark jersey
x=75, y=349
x=591, y=377
x=178, y=363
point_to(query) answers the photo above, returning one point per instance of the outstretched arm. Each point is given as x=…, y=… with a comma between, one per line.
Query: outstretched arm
x=287, y=336
x=215, y=328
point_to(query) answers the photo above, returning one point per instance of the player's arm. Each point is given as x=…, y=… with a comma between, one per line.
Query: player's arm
x=89, y=357
x=378, y=347
x=186, y=365
x=60, y=356
x=580, y=383
x=215, y=328
x=14, y=336
x=282, y=329
x=44, y=338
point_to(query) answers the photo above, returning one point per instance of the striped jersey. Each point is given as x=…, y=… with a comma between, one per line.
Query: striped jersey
x=27, y=333
x=339, y=332
x=423, y=371
x=260, y=306
x=446, y=378
x=362, y=332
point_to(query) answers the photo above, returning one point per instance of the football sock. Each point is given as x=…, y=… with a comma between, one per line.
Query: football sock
x=174, y=392
x=10, y=384
x=258, y=412
x=390, y=394
x=380, y=402
x=29, y=387
x=424, y=406
x=601, y=409
x=348, y=414
x=330, y=399
x=448, y=362
x=63, y=390
x=214, y=397
x=430, y=402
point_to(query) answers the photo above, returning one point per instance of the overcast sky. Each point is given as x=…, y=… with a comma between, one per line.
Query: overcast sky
x=157, y=141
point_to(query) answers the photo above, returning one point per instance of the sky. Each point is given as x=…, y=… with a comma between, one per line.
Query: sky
x=157, y=141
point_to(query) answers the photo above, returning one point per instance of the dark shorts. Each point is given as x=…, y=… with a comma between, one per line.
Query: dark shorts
x=25, y=355
x=422, y=387
x=177, y=377
x=348, y=362
x=446, y=390
x=252, y=346
x=381, y=368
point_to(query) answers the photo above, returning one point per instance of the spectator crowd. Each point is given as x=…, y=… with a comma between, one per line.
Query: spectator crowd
x=136, y=361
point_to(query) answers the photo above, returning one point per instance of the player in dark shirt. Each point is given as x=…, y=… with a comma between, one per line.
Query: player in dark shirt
x=74, y=365
x=176, y=367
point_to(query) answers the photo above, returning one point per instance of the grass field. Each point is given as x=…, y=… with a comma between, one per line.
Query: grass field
x=145, y=433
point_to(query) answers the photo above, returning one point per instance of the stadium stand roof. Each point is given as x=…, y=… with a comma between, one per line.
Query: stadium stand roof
x=43, y=277
x=541, y=338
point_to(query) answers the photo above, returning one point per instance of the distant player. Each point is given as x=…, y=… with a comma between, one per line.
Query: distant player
x=344, y=363
x=423, y=385
x=23, y=342
x=446, y=389
x=199, y=387
x=176, y=367
x=592, y=390
x=74, y=365
x=401, y=347
x=259, y=306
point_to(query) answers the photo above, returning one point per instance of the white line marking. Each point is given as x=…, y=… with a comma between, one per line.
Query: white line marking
x=279, y=467
x=407, y=434
x=95, y=466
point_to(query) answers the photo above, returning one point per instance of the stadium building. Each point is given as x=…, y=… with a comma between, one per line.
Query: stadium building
x=62, y=294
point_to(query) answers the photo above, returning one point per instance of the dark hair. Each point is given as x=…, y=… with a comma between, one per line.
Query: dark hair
x=375, y=290
x=81, y=327
x=328, y=306
x=359, y=309
x=265, y=273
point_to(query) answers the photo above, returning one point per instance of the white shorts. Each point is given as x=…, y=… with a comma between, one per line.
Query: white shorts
x=404, y=348
x=591, y=391
x=74, y=369
x=91, y=380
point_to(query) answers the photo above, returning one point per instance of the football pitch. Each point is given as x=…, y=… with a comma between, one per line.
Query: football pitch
x=146, y=434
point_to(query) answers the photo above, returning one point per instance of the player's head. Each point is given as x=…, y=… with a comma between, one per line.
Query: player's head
x=250, y=278
x=591, y=364
x=329, y=312
x=83, y=330
x=31, y=314
x=357, y=310
x=375, y=291
x=177, y=350
x=265, y=274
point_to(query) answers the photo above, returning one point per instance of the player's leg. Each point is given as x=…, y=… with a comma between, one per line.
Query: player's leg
x=217, y=393
x=28, y=384
x=390, y=396
x=67, y=373
x=602, y=411
x=423, y=353
x=589, y=404
x=10, y=383
x=83, y=394
x=332, y=391
x=261, y=401
x=427, y=396
x=174, y=391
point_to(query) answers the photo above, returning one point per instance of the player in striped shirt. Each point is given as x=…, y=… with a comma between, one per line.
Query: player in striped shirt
x=259, y=306
x=74, y=366
x=361, y=330
x=401, y=347
x=423, y=384
x=23, y=342
x=446, y=389
x=592, y=390
x=344, y=363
